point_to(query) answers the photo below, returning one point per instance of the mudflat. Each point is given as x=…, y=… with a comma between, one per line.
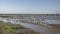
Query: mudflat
x=55, y=25
x=1, y=31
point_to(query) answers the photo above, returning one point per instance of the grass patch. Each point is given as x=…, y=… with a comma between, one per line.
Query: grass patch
x=15, y=29
x=6, y=16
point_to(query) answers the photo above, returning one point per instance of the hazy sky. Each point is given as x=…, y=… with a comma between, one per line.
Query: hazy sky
x=30, y=6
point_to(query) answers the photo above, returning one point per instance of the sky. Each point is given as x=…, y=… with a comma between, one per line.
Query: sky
x=30, y=6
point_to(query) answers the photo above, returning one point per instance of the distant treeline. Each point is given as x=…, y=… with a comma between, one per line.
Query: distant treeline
x=5, y=16
x=30, y=14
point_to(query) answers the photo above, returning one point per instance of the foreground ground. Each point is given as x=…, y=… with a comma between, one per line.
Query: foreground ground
x=57, y=26
x=15, y=29
x=1, y=31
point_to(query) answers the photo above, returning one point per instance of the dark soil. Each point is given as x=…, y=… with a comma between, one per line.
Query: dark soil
x=1, y=31
x=55, y=25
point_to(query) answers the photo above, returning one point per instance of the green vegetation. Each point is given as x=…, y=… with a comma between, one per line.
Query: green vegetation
x=31, y=14
x=15, y=29
x=6, y=16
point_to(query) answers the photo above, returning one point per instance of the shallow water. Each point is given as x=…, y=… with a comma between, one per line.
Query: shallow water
x=40, y=29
